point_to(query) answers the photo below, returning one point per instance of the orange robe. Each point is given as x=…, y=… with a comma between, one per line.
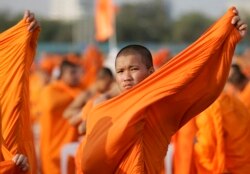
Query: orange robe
x=17, y=51
x=245, y=96
x=92, y=62
x=130, y=133
x=36, y=86
x=183, y=142
x=85, y=112
x=223, y=137
x=55, y=130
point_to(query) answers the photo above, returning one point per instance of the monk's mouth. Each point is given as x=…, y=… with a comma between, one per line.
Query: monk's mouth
x=127, y=86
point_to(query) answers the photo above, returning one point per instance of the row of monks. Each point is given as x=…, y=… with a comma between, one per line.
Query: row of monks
x=198, y=101
x=62, y=87
x=214, y=141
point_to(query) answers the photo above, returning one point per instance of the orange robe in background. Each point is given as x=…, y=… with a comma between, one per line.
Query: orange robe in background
x=183, y=142
x=36, y=86
x=17, y=51
x=92, y=62
x=161, y=57
x=245, y=96
x=55, y=130
x=223, y=138
x=85, y=112
x=130, y=133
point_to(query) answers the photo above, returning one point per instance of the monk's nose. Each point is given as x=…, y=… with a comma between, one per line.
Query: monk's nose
x=127, y=76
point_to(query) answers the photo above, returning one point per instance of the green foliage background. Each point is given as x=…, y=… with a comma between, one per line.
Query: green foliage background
x=149, y=22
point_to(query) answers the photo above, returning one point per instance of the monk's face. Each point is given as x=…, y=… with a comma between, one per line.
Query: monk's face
x=72, y=76
x=103, y=84
x=130, y=70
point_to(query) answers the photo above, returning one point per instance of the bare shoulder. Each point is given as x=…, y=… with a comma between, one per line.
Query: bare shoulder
x=100, y=99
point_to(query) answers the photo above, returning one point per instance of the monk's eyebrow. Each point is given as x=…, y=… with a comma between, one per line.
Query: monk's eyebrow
x=119, y=69
x=133, y=66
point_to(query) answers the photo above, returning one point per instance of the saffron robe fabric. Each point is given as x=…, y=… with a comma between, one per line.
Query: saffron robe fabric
x=17, y=51
x=56, y=130
x=223, y=136
x=183, y=142
x=245, y=96
x=131, y=132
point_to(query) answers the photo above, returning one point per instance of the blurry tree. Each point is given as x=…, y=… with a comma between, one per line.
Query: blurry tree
x=6, y=20
x=189, y=27
x=52, y=31
x=141, y=22
x=147, y=22
x=55, y=31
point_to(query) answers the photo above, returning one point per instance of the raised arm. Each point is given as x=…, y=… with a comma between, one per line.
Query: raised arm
x=73, y=112
x=17, y=51
x=188, y=83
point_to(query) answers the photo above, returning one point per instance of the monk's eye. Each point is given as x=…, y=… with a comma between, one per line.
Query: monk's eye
x=119, y=71
x=134, y=69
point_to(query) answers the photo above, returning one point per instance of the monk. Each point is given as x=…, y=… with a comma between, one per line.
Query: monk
x=184, y=139
x=103, y=83
x=130, y=133
x=56, y=130
x=17, y=51
x=222, y=145
x=106, y=88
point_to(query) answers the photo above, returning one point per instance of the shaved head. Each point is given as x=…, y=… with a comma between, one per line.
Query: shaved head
x=140, y=50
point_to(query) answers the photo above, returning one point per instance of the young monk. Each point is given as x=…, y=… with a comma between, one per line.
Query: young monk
x=106, y=88
x=103, y=83
x=130, y=133
x=17, y=51
x=55, y=130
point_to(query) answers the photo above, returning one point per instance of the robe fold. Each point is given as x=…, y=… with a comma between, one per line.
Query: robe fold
x=183, y=142
x=245, y=96
x=56, y=130
x=130, y=133
x=85, y=112
x=17, y=51
x=223, y=136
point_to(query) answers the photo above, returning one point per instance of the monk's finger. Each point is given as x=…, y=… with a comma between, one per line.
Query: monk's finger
x=19, y=159
x=25, y=167
x=235, y=19
x=239, y=23
x=243, y=27
x=31, y=17
x=32, y=26
x=235, y=11
x=14, y=159
x=26, y=14
x=24, y=161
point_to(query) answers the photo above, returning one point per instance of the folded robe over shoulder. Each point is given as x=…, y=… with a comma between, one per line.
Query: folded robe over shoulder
x=17, y=50
x=223, y=136
x=130, y=133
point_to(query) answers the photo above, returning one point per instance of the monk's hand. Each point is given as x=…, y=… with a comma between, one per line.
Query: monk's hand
x=82, y=128
x=239, y=23
x=31, y=19
x=21, y=161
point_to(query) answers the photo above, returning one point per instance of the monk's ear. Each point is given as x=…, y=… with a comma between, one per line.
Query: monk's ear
x=151, y=70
